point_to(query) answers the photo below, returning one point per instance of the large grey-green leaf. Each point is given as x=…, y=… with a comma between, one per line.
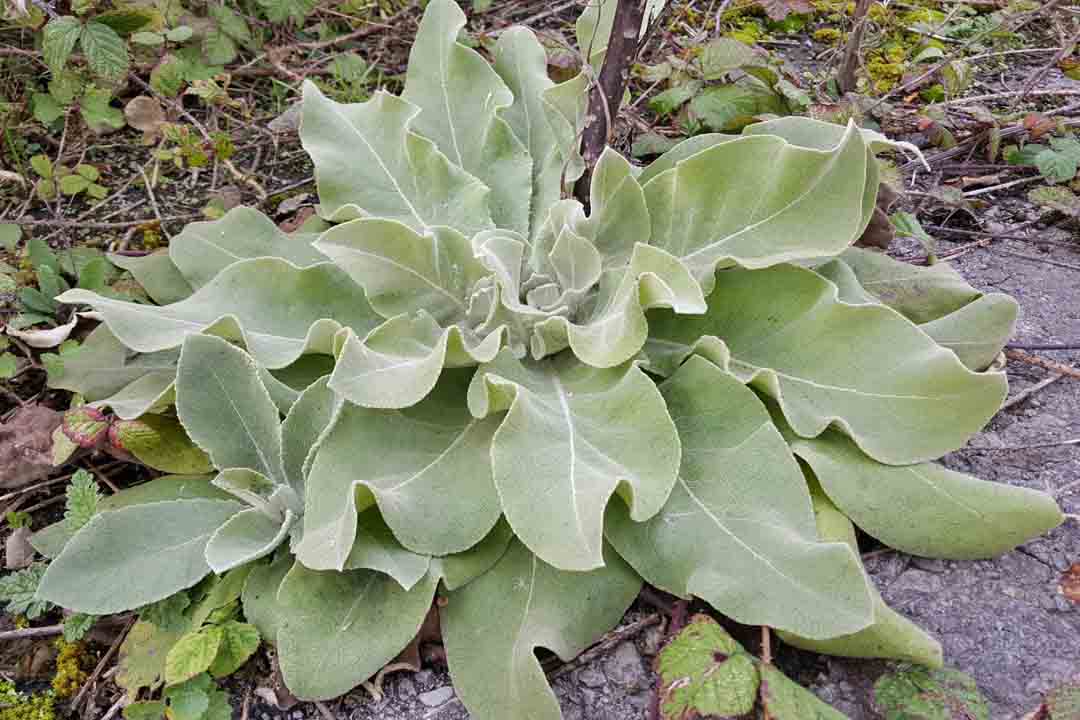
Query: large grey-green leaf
x=921, y=294
x=759, y=201
x=102, y=366
x=339, y=628
x=369, y=162
x=376, y=548
x=978, y=331
x=259, y=597
x=225, y=408
x=864, y=368
x=246, y=536
x=204, y=249
x=461, y=568
x=399, y=362
x=618, y=217
x=521, y=62
x=492, y=627
x=927, y=509
x=681, y=151
x=892, y=636
x=460, y=98
x=572, y=437
x=427, y=467
x=134, y=556
x=157, y=275
x=403, y=271
x=738, y=530
x=309, y=419
x=279, y=311
x=565, y=106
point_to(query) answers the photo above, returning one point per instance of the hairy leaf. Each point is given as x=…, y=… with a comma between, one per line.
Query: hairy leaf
x=339, y=628
x=156, y=274
x=427, y=468
x=311, y=417
x=133, y=556
x=492, y=627
x=246, y=536
x=567, y=424
x=279, y=311
x=900, y=396
x=738, y=531
x=375, y=548
x=106, y=52
x=388, y=170
x=460, y=97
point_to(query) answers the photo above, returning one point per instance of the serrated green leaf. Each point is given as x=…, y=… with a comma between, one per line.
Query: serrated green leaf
x=557, y=507
x=73, y=184
x=278, y=310
x=161, y=443
x=149, y=39
x=492, y=627
x=1061, y=161
x=170, y=614
x=189, y=700
x=731, y=107
x=899, y=395
x=708, y=213
x=142, y=657
x=239, y=641
x=77, y=625
x=231, y=23
x=81, y=504
x=98, y=113
x=926, y=509
x=106, y=52
x=703, y=671
x=365, y=616
x=8, y=365
x=738, y=526
x=58, y=41
x=218, y=47
x=44, y=168
x=428, y=469
x=221, y=399
x=46, y=110
x=224, y=591
x=19, y=592
x=282, y=10
x=179, y=34
x=391, y=172
x=133, y=556
x=917, y=693
x=145, y=710
x=192, y=655
x=460, y=97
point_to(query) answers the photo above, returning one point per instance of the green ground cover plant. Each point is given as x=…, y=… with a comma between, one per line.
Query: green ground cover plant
x=459, y=381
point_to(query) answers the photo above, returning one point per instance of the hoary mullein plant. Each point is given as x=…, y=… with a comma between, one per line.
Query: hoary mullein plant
x=495, y=395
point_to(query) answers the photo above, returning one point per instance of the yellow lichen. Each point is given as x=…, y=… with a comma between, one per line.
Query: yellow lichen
x=829, y=36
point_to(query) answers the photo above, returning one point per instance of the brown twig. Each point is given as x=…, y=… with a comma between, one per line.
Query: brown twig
x=23, y=633
x=845, y=78
x=1030, y=391
x=101, y=665
x=1045, y=364
x=104, y=225
x=363, y=32
x=607, y=93
x=609, y=641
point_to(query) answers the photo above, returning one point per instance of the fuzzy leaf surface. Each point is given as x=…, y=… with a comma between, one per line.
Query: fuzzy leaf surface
x=134, y=556
x=309, y=419
x=226, y=407
x=427, y=467
x=248, y=535
x=492, y=626
x=279, y=311
x=899, y=395
x=738, y=531
x=460, y=97
x=563, y=449
x=927, y=509
x=369, y=162
x=340, y=628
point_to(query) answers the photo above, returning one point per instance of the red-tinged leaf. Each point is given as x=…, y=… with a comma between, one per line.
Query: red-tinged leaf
x=85, y=426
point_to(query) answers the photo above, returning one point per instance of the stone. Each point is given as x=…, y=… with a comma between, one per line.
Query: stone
x=591, y=677
x=436, y=697
x=623, y=666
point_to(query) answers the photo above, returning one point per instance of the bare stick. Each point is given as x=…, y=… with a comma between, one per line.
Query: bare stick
x=1028, y=392
x=606, y=94
x=1060, y=55
x=101, y=665
x=1042, y=362
x=44, y=631
x=846, y=77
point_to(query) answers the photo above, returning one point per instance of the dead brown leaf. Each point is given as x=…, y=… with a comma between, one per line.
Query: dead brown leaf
x=880, y=232
x=145, y=113
x=1070, y=583
x=26, y=445
x=18, y=552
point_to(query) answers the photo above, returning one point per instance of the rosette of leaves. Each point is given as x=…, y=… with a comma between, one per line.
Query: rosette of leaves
x=461, y=381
